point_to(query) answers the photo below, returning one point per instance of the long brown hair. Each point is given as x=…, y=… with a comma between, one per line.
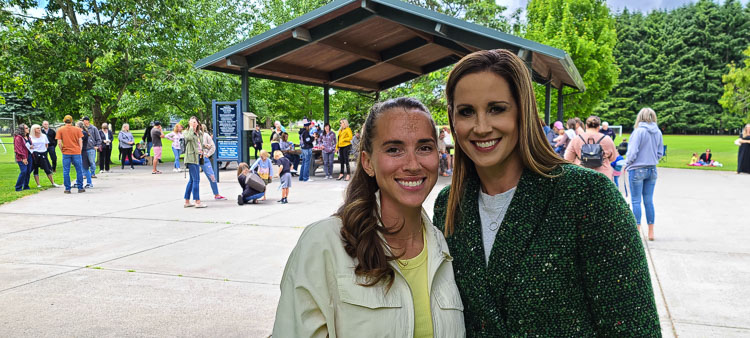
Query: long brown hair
x=359, y=214
x=533, y=148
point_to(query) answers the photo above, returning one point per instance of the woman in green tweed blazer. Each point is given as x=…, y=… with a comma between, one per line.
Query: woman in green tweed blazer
x=559, y=255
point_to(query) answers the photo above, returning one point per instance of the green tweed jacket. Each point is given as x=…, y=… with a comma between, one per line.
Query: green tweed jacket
x=566, y=262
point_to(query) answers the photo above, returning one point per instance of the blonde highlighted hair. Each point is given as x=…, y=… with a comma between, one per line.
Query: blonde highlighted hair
x=277, y=154
x=645, y=115
x=535, y=152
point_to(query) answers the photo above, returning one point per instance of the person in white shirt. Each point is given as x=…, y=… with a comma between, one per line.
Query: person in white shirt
x=176, y=137
x=38, y=148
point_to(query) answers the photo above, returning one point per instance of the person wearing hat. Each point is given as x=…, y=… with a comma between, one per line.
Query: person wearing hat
x=156, y=136
x=306, y=144
x=70, y=139
x=92, y=146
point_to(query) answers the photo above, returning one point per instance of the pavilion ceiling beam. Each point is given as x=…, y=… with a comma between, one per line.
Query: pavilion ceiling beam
x=430, y=67
x=385, y=56
x=367, y=54
x=296, y=70
x=236, y=61
x=370, y=85
x=316, y=33
x=345, y=47
x=407, y=67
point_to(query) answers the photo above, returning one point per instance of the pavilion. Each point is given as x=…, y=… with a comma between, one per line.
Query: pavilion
x=371, y=45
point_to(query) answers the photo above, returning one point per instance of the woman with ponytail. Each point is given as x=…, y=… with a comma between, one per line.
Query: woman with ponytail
x=377, y=267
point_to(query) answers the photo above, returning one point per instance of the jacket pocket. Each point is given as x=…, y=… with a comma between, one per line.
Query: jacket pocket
x=371, y=297
x=448, y=298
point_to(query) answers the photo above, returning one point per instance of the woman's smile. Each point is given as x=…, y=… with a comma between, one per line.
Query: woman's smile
x=486, y=145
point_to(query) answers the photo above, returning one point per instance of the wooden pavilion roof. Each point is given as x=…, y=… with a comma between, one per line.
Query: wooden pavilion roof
x=373, y=45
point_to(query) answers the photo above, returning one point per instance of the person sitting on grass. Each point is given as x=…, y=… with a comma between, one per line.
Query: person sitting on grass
x=138, y=157
x=694, y=160
x=285, y=175
x=705, y=158
x=249, y=195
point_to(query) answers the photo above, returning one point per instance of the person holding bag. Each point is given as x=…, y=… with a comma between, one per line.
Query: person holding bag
x=193, y=160
x=252, y=187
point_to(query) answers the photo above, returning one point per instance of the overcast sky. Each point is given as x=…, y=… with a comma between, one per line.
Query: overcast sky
x=618, y=5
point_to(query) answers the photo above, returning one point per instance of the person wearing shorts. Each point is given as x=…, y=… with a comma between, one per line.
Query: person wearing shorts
x=156, y=136
x=285, y=175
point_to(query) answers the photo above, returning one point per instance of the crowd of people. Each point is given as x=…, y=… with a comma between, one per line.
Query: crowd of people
x=82, y=144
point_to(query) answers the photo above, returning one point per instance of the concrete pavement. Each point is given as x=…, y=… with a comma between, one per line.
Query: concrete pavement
x=125, y=258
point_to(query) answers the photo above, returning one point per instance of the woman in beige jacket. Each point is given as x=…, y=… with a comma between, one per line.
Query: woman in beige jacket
x=378, y=267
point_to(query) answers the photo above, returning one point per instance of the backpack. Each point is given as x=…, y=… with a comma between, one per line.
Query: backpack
x=592, y=155
x=182, y=145
x=255, y=182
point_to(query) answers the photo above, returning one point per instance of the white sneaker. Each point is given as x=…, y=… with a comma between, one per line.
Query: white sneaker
x=39, y=186
x=55, y=185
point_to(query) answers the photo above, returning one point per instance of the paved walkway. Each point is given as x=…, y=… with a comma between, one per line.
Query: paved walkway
x=125, y=258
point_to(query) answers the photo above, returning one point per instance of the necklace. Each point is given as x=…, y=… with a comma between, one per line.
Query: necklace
x=405, y=262
x=495, y=225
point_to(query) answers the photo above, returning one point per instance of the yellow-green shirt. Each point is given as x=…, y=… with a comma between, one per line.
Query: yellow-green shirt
x=415, y=273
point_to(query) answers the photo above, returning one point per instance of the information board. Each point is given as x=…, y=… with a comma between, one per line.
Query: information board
x=227, y=130
x=226, y=120
x=227, y=148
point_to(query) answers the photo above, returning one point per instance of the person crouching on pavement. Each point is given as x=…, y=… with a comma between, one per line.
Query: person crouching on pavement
x=249, y=195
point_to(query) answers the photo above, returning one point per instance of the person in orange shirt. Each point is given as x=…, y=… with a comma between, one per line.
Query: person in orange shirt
x=592, y=135
x=70, y=139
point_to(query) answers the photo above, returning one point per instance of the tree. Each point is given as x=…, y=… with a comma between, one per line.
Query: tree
x=126, y=49
x=586, y=30
x=736, y=98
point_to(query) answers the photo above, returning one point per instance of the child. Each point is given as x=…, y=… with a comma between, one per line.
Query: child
x=285, y=175
x=265, y=168
x=617, y=167
x=248, y=193
x=694, y=159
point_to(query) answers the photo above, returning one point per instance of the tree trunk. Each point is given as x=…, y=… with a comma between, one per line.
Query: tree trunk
x=96, y=108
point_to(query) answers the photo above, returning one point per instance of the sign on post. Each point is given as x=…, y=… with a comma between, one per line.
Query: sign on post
x=227, y=120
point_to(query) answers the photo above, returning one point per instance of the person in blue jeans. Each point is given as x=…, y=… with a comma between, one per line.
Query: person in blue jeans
x=306, y=143
x=644, y=151
x=193, y=154
x=176, y=137
x=84, y=155
x=209, y=148
x=70, y=139
x=23, y=157
x=93, y=146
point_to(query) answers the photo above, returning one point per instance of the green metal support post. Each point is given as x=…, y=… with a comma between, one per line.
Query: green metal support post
x=245, y=139
x=560, y=105
x=547, y=102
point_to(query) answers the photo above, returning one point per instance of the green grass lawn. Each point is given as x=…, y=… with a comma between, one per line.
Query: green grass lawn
x=681, y=147
x=679, y=150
